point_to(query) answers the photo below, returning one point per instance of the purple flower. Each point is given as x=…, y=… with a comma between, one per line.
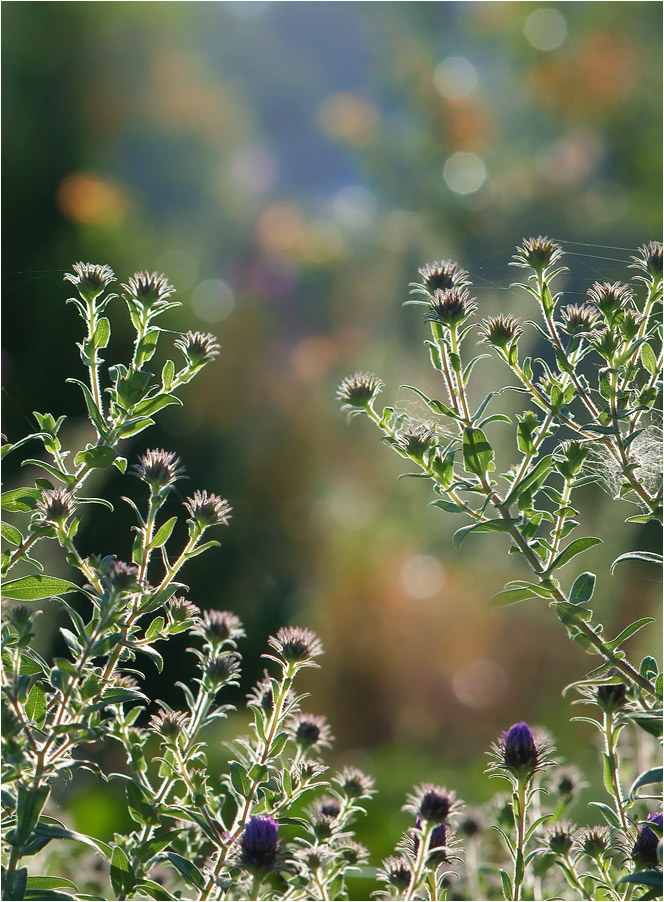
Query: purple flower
x=644, y=850
x=519, y=749
x=258, y=844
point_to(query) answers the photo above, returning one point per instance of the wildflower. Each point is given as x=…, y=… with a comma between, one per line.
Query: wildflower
x=354, y=783
x=159, y=469
x=55, y=505
x=306, y=771
x=519, y=753
x=416, y=441
x=396, y=871
x=121, y=577
x=90, y=279
x=606, y=343
x=181, y=611
x=207, y=510
x=644, y=850
x=438, y=845
x=432, y=803
x=259, y=844
x=169, y=724
x=579, y=319
x=359, y=390
x=314, y=857
x=611, y=696
x=649, y=259
x=471, y=824
x=223, y=670
x=538, y=254
x=262, y=695
x=353, y=852
x=560, y=838
x=450, y=308
x=440, y=277
x=149, y=289
x=594, y=841
x=198, y=347
x=296, y=645
x=567, y=783
x=311, y=730
x=219, y=627
x=611, y=299
x=500, y=331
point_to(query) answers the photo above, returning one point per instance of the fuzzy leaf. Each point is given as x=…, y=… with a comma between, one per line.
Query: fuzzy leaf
x=123, y=878
x=649, y=556
x=608, y=814
x=97, y=458
x=50, y=882
x=163, y=533
x=654, y=775
x=510, y=596
x=35, y=707
x=11, y=534
x=498, y=525
x=629, y=631
x=644, y=878
x=188, y=869
x=32, y=588
x=583, y=588
x=478, y=454
x=21, y=500
x=574, y=548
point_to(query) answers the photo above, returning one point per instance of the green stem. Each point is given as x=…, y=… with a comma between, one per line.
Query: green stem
x=519, y=858
x=611, y=750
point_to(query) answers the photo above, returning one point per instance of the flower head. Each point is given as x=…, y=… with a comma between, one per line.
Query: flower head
x=354, y=783
x=223, y=671
x=397, y=871
x=644, y=850
x=90, y=279
x=471, y=823
x=450, y=307
x=259, y=845
x=148, y=288
x=440, y=276
x=432, y=803
x=611, y=696
x=159, y=469
x=518, y=752
x=121, y=577
x=579, y=319
x=560, y=838
x=220, y=627
x=55, y=505
x=500, y=331
x=649, y=259
x=353, y=852
x=207, y=510
x=296, y=645
x=181, y=611
x=198, y=347
x=359, y=390
x=594, y=842
x=538, y=254
x=311, y=731
x=612, y=299
x=169, y=724
x=416, y=441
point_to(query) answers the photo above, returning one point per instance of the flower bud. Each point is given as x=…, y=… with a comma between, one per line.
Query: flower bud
x=198, y=347
x=296, y=645
x=148, y=289
x=644, y=850
x=649, y=259
x=359, y=390
x=538, y=254
x=259, y=844
x=159, y=469
x=611, y=696
x=207, y=510
x=90, y=279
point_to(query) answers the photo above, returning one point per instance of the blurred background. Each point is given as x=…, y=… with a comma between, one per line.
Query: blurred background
x=289, y=166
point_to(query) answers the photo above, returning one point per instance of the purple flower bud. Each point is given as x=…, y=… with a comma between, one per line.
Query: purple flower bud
x=258, y=844
x=519, y=750
x=644, y=850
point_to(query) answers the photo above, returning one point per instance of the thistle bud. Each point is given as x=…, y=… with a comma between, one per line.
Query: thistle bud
x=440, y=276
x=500, y=331
x=223, y=670
x=295, y=645
x=90, y=279
x=198, y=348
x=432, y=803
x=518, y=754
x=560, y=838
x=450, y=308
x=220, y=628
x=121, y=577
x=649, y=259
x=311, y=730
x=259, y=844
x=579, y=319
x=159, y=469
x=612, y=300
x=55, y=506
x=538, y=254
x=168, y=724
x=149, y=289
x=397, y=872
x=611, y=697
x=644, y=850
x=594, y=842
x=359, y=390
x=416, y=442
x=354, y=783
x=207, y=510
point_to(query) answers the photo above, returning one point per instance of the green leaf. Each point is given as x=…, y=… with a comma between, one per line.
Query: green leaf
x=140, y=807
x=123, y=878
x=163, y=533
x=14, y=883
x=155, y=890
x=498, y=525
x=151, y=405
x=478, y=454
x=102, y=333
x=32, y=588
x=510, y=596
x=449, y=506
x=583, y=588
x=188, y=869
x=11, y=534
x=35, y=707
x=240, y=779
x=118, y=697
x=167, y=374
x=608, y=813
x=576, y=547
x=654, y=775
x=507, y=885
x=93, y=410
x=649, y=556
x=644, y=878
x=99, y=457
x=49, y=826
x=50, y=882
x=21, y=500
x=629, y=631
x=133, y=427
x=532, y=480
x=155, y=628
x=29, y=805
x=648, y=359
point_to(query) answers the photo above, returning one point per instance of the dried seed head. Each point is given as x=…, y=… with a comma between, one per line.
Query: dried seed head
x=450, y=308
x=560, y=838
x=168, y=724
x=311, y=730
x=396, y=870
x=579, y=319
x=207, y=510
x=159, y=469
x=148, y=288
x=440, y=276
x=121, y=577
x=259, y=844
x=354, y=783
x=198, y=347
x=500, y=331
x=359, y=390
x=432, y=803
x=537, y=253
x=417, y=441
x=611, y=696
x=55, y=505
x=649, y=259
x=644, y=850
x=594, y=841
x=90, y=279
x=296, y=645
